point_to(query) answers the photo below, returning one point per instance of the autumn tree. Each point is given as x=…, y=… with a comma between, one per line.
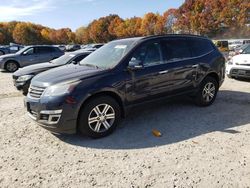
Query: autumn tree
x=2, y=38
x=170, y=20
x=25, y=33
x=116, y=27
x=213, y=17
x=152, y=24
x=98, y=29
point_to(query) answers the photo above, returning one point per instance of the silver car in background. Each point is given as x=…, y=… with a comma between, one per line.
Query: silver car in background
x=28, y=56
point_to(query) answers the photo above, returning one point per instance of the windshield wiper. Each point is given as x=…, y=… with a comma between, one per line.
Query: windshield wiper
x=90, y=65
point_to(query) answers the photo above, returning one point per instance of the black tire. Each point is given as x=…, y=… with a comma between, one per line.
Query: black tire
x=25, y=92
x=11, y=66
x=203, y=98
x=229, y=76
x=88, y=110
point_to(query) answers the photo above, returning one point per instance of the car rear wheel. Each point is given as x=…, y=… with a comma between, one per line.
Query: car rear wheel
x=207, y=92
x=99, y=117
x=11, y=66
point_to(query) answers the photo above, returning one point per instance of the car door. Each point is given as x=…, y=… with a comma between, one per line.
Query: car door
x=163, y=72
x=44, y=54
x=180, y=67
x=28, y=57
x=152, y=80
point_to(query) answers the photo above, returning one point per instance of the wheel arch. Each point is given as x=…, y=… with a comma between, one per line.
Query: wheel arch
x=111, y=94
x=12, y=60
x=213, y=75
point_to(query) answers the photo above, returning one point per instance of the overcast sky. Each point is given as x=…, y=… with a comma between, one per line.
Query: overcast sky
x=76, y=13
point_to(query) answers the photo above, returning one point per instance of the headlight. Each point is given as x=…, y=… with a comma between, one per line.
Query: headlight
x=24, y=78
x=60, y=89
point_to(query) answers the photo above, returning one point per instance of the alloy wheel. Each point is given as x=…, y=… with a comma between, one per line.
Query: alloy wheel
x=11, y=66
x=208, y=92
x=101, y=118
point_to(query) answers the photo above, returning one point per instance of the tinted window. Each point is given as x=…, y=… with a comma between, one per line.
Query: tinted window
x=79, y=58
x=246, y=51
x=44, y=50
x=200, y=46
x=149, y=54
x=176, y=49
x=29, y=51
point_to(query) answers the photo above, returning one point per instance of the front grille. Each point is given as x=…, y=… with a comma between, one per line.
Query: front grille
x=240, y=72
x=244, y=64
x=36, y=92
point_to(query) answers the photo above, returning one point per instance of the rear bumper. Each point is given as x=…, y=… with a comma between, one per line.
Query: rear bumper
x=54, y=117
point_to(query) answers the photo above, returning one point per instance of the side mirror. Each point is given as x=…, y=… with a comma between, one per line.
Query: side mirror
x=135, y=64
x=74, y=62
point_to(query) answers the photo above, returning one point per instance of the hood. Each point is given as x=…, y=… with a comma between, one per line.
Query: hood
x=242, y=59
x=64, y=73
x=8, y=56
x=35, y=69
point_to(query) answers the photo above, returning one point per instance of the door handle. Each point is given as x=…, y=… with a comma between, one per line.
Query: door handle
x=163, y=72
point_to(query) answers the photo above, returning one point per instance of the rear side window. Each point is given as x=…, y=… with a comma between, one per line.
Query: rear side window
x=44, y=50
x=176, y=49
x=200, y=47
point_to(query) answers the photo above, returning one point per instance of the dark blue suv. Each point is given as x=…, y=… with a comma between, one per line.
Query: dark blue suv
x=93, y=96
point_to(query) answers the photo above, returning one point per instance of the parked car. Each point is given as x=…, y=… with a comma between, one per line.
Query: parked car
x=238, y=50
x=92, y=46
x=222, y=45
x=61, y=47
x=3, y=50
x=12, y=48
x=93, y=96
x=28, y=56
x=239, y=65
x=232, y=44
x=87, y=49
x=74, y=47
x=23, y=76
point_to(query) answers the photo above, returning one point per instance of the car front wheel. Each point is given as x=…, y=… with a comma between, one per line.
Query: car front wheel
x=11, y=66
x=99, y=117
x=207, y=92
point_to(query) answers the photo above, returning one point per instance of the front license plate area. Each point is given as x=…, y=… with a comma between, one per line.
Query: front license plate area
x=242, y=72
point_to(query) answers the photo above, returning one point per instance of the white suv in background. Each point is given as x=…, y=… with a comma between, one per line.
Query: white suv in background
x=239, y=65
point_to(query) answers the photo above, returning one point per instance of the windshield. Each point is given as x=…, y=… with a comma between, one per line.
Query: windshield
x=109, y=55
x=63, y=59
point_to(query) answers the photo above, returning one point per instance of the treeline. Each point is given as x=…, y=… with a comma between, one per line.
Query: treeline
x=212, y=18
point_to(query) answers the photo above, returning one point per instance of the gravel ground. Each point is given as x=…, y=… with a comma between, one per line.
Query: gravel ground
x=199, y=147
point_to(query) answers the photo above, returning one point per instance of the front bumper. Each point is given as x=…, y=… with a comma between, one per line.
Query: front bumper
x=2, y=65
x=56, y=116
x=24, y=86
x=238, y=71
